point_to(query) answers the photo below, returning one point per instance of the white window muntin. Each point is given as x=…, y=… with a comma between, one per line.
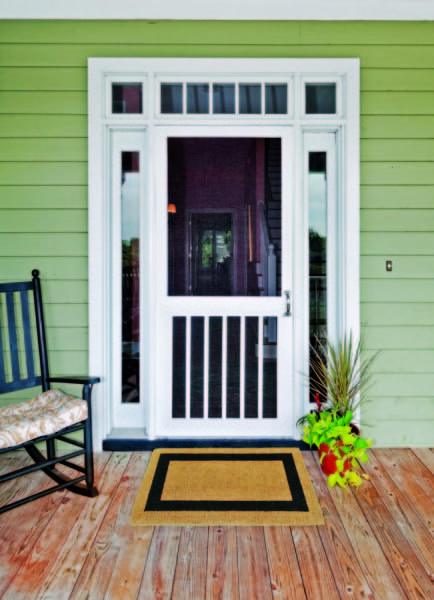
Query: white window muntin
x=278, y=79
x=126, y=79
x=337, y=80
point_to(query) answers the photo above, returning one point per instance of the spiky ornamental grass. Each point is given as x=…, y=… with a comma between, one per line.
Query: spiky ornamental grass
x=344, y=374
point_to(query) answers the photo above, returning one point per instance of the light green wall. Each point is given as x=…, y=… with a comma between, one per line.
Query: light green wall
x=43, y=176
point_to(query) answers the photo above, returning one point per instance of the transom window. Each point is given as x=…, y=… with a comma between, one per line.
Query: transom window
x=224, y=98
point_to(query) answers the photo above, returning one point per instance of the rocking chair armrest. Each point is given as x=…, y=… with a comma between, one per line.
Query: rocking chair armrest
x=79, y=379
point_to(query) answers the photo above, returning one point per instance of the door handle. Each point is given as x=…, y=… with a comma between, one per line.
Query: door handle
x=288, y=304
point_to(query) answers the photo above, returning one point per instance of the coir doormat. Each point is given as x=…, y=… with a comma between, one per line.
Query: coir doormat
x=226, y=486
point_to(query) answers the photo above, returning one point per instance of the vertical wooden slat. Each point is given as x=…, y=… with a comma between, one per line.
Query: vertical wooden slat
x=242, y=364
x=13, y=336
x=27, y=335
x=2, y=363
x=222, y=567
x=260, y=366
x=224, y=365
x=206, y=368
x=191, y=565
x=188, y=369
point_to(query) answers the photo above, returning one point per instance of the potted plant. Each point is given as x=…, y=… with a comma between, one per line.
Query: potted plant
x=340, y=375
x=339, y=448
x=341, y=372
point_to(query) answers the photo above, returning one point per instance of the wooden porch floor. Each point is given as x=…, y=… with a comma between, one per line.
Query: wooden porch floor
x=377, y=542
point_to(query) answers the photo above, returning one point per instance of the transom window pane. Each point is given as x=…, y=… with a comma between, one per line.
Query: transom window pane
x=224, y=216
x=320, y=98
x=197, y=98
x=127, y=98
x=171, y=98
x=223, y=98
x=130, y=219
x=250, y=99
x=276, y=99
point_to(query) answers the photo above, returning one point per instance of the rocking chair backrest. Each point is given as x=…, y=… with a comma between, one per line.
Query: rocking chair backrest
x=17, y=368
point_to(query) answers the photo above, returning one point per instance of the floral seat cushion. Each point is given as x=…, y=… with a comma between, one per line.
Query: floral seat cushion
x=48, y=413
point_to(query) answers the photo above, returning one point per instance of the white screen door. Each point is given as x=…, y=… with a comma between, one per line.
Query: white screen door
x=223, y=263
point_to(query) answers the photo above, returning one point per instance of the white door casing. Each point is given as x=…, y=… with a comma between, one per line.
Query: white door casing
x=339, y=133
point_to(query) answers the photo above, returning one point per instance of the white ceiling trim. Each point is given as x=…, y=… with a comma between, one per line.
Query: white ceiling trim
x=311, y=10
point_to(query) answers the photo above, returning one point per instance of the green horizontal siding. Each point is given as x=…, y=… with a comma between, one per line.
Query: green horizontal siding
x=397, y=313
x=403, y=267
x=43, y=221
x=43, y=196
x=43, y=178
x=221, y=33
x=397, y=290
x=396, y=196
x=402, y=361
x=44, y=244
x=407, y=243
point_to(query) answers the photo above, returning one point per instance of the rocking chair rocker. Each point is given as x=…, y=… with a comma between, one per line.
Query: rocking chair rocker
x=50, y=416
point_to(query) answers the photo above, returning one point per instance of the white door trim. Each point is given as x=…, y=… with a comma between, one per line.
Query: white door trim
x=101, y=123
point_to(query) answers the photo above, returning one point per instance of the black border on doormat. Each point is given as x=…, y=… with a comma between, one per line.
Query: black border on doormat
x=155, y=503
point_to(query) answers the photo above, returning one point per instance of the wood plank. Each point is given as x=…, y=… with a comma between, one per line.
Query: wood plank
x=310, y=32
x=46, y=196
x=407, y=568
x=403, y=512
x=400, y=313
x=412, y=479
x=318, y=579
x=43, y=79
x=21, y=529
x=397, y=173
x=30, y=126
x=344, y=564
x=389, y=338
x=44, y=221
x=74, y=55
x=75, y=547
x=253, y=573
x=114, y=566
x=404, y=243
x=45, y=102
x=44, y=173
x=405, y=384
x=398, y=406
x=396, y=80
x=285, y=576
x=191, y=566
x=404, y=267
x=65, y=267
x=396, y=220
x=11, y=490
x=426, y=456
x=399, y=103
x=160, y=566
x=377, y=570
x=390, y=433
x=222, y=567
x=33, y=565
x=389, y=290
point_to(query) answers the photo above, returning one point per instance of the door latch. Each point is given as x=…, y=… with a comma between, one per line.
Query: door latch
x=288, y=304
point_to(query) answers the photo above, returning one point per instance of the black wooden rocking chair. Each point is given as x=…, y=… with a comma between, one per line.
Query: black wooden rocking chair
x=50, y=416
